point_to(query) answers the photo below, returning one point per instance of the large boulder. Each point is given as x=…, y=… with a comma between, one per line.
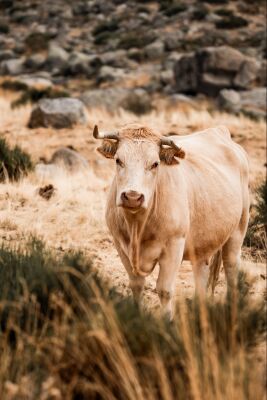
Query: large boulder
x=250, y=102
x=58, y=113
x=12, y=67
x=212, y=69
x=57, y=57
x=69, y=159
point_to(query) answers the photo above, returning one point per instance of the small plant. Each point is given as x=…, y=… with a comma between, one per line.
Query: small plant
x=231, y=22
x=14, y=163
x=31, y=95
x=257, y=229
x=138, y=39
x=106, y=26
x=224, y=12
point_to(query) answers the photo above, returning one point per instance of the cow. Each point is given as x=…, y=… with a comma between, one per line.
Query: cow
x=176, y=198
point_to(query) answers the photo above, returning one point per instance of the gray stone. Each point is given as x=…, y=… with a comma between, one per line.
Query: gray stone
x=57, y=56
x=247, y=74
x=12, y=67
x=254, y=99
x=35, y=61
x=34, y=82
x=109, y=98
x=58, y=113
x=229, y=100
x=6, y=55
x=223, y=58
x=154, y=50
x=81, y=64
x=107, y=73
x=69, y=159
x=137, y=101
x=186, y=74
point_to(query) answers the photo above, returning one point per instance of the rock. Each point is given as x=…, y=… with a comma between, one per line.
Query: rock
x=58, y=113
x=12, y=67
x=253, y=102
x=116, y=58
x=110, y=74
x=247, y=74
x=35, y=62
x=229, y=100
x=154, y=50
x=137, y=101
x=82, y=64
x=34, y=82
x=186, y=74
x=109, y=98
x=6, y=55
x=69, y=159
x=223, y=58
x=214, y=68
x=250, y=102
x=57, y=57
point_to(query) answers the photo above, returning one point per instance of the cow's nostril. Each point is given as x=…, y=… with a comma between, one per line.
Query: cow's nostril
x=124, y=196
x=141, y=198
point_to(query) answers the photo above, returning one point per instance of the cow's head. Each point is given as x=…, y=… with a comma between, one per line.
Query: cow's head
x=138, y=154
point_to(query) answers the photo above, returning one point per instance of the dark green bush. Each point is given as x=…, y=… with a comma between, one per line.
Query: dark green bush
x=106, y=26
x=224, y=12
x=138, y=39
x=14, y=163
x=4, y=28
x=256, y=235
x=200, y=12
x=31, y=95
x=231, y=22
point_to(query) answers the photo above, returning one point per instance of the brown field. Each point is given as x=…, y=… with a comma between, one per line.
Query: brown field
x=74, y=217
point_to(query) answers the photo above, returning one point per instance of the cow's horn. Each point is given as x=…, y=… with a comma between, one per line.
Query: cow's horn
x=168, y=142
x=104, y=135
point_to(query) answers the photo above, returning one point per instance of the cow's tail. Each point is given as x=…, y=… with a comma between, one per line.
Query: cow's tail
x=214, y=270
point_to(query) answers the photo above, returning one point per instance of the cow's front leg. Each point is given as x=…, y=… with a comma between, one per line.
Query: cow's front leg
x=169, y=263
x=136, y=283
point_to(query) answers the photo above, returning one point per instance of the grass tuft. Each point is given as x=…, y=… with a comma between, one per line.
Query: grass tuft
x=14, y=163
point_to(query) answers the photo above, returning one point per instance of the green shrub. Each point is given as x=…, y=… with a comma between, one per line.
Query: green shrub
x=14, y=163
x=256, y=235
x=31, y=95
x=231, y=22
x=200, y=12
x=138, y=39
x=224, y=12
x=103, y=38
x=106, y=26
x=60, y=320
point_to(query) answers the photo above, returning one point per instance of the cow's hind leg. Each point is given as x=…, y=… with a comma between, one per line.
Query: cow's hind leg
x=231, y=251
x=169, y=263
x=231, y=255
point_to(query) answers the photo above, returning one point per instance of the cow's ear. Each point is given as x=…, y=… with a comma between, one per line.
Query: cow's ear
x=108, y=148
x=169, y=155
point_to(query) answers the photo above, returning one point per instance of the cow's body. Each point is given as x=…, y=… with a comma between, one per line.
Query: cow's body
x=198, y=208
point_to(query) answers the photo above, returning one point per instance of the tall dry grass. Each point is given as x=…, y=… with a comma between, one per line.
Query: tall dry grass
x=66, y=334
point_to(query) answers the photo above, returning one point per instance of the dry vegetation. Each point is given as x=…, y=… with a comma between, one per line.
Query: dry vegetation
x=96, y=343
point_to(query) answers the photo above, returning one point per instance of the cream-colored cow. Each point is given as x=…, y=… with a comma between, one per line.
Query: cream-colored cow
x=176, y=198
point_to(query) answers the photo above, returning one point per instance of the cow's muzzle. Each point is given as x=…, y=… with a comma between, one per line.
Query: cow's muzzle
x=132, y=199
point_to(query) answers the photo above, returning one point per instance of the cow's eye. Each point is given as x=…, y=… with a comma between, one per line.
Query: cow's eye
x=155, y=165
x=119, y=162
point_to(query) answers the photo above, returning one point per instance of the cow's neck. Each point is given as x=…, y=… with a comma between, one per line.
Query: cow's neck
x=136, y=224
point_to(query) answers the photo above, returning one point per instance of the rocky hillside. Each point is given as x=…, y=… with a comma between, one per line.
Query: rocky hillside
x=118, y=53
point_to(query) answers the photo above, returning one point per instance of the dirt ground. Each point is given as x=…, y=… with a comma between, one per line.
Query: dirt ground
x=74, y=217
